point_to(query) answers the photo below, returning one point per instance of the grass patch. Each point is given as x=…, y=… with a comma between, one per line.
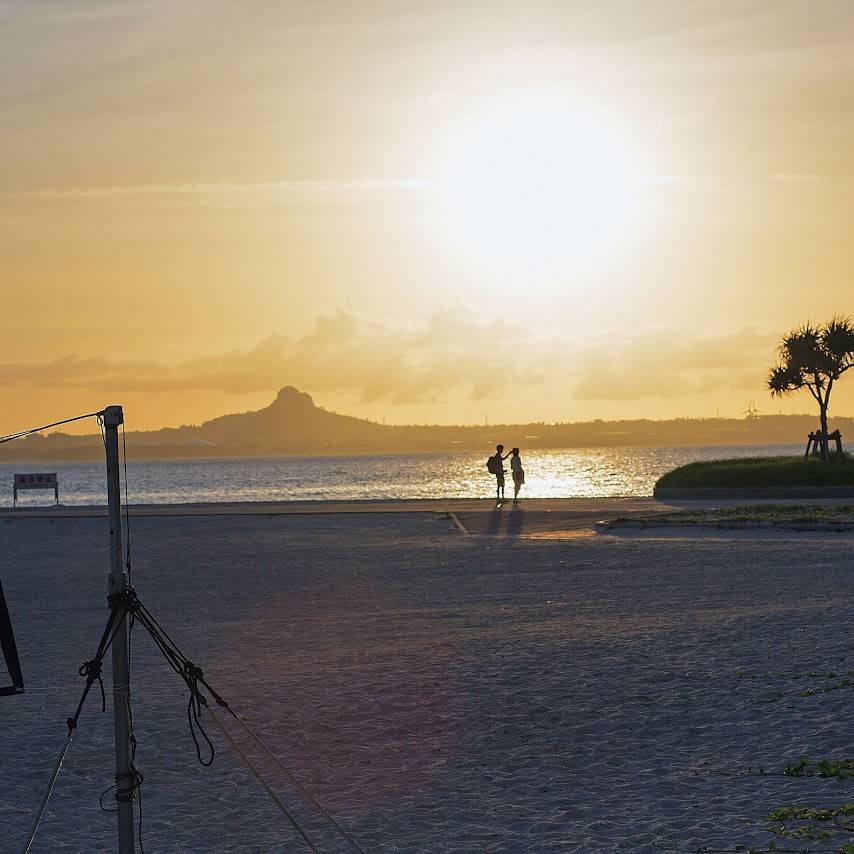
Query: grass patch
x=762, y=472
x=834, y=517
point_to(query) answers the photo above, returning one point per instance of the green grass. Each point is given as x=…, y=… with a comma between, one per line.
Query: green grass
x=763, y=472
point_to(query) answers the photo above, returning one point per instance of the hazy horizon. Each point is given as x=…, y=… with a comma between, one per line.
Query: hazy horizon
x=85, y=427
x=443, y=213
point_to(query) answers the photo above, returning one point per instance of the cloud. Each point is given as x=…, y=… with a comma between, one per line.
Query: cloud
x=797, y=178
x=666, y=364
x=450, y=353
x=225, y=189
x=224, y=192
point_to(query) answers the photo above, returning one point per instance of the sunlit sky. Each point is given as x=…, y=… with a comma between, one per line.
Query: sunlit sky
x=443, y=212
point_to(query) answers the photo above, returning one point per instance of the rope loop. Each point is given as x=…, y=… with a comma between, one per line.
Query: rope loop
x=127, y=785
x=125, y=599
x=193, y=673
x=125, y=604
x=92, y=671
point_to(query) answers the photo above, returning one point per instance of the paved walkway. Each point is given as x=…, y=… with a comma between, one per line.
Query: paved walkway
x=537, y=517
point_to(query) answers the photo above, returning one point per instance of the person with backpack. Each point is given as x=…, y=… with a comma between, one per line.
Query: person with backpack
x=494, y=466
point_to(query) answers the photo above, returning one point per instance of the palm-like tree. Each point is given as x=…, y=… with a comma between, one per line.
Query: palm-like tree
x=814, y=357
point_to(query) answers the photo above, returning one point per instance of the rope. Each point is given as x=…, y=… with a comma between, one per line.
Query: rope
x=133, y=786
x=289, y=774
x=191, y=675
x=134, y=775
x=255, y=773
x=127, y=603
x=20, y=434
x=193, y=678
x=47, y=794
x=92, y=671
x=127, y=503
x=100, y=420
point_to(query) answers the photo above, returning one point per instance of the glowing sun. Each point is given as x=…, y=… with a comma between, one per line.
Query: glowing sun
x=539, y=186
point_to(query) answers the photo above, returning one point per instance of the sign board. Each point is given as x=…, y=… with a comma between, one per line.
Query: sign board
x=39, y=480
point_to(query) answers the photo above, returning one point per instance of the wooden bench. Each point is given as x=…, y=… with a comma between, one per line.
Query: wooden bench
x=814, y=442
x=39, y=480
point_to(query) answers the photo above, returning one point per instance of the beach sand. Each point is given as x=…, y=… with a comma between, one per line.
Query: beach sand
x=441, y=677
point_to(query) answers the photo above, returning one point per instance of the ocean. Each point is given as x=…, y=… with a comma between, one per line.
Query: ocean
x=572, y=472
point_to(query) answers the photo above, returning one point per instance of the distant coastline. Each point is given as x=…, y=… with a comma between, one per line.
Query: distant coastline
x=293, y=426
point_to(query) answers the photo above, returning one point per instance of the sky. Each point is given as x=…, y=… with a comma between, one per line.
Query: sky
x=444, y=212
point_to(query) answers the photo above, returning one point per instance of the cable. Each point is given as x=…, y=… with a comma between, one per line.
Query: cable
x=289, y=774
x=255, y=773
x=191, y=675
x=92, y=671
x=127, y=604
x=47, y=794
x=193, y=678
x=22, y=433
x=100, y=420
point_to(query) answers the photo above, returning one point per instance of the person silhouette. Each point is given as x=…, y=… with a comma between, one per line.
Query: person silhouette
x=498, y=470
x=518, y=473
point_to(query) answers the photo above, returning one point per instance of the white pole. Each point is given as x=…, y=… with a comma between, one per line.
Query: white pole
x=113, y=417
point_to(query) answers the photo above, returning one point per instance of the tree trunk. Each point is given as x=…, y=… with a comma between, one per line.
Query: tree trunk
x=823, y=417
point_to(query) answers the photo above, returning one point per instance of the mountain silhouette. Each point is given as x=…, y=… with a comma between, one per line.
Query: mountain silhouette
x=293, y=425
x=292, y=418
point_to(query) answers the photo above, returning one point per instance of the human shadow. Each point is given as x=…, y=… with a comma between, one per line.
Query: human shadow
x=494, y=522
x=516, y=521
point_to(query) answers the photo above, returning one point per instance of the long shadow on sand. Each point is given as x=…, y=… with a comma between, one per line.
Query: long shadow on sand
x=511, y=522
x=516, y=521
x=494, y=523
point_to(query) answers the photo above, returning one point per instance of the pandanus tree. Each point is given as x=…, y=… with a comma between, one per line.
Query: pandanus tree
x=814, y=357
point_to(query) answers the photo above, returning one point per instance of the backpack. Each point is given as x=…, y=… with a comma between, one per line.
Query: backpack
x=493, y=465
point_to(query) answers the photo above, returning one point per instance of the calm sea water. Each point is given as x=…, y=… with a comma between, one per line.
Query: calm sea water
x=574, y=472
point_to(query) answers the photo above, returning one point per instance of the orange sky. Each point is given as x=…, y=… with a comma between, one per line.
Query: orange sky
x=201, y=202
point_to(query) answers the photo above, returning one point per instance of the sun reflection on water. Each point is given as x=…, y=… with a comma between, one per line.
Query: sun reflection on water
x=574, y=472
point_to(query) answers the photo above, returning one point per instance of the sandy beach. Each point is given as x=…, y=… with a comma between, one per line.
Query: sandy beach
x=442, y=677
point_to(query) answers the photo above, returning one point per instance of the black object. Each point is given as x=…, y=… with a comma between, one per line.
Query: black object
x=10, y=650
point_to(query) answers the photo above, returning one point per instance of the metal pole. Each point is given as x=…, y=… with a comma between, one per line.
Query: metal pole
x=113, y=417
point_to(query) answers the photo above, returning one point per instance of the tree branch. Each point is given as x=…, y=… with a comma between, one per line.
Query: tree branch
x=814, y=393
x=827, y=393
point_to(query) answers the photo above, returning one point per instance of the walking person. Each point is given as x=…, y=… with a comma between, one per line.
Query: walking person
x=518, y=473
x=495, y=465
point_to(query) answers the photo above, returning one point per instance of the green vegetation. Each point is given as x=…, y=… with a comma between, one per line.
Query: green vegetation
x=801, y=823
x=836, y=820
x=833, y=681
x=828, y=687
x=814, y=358
x=835, y=517
x=810, y=813
x=755, y=472
x=842, y=769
